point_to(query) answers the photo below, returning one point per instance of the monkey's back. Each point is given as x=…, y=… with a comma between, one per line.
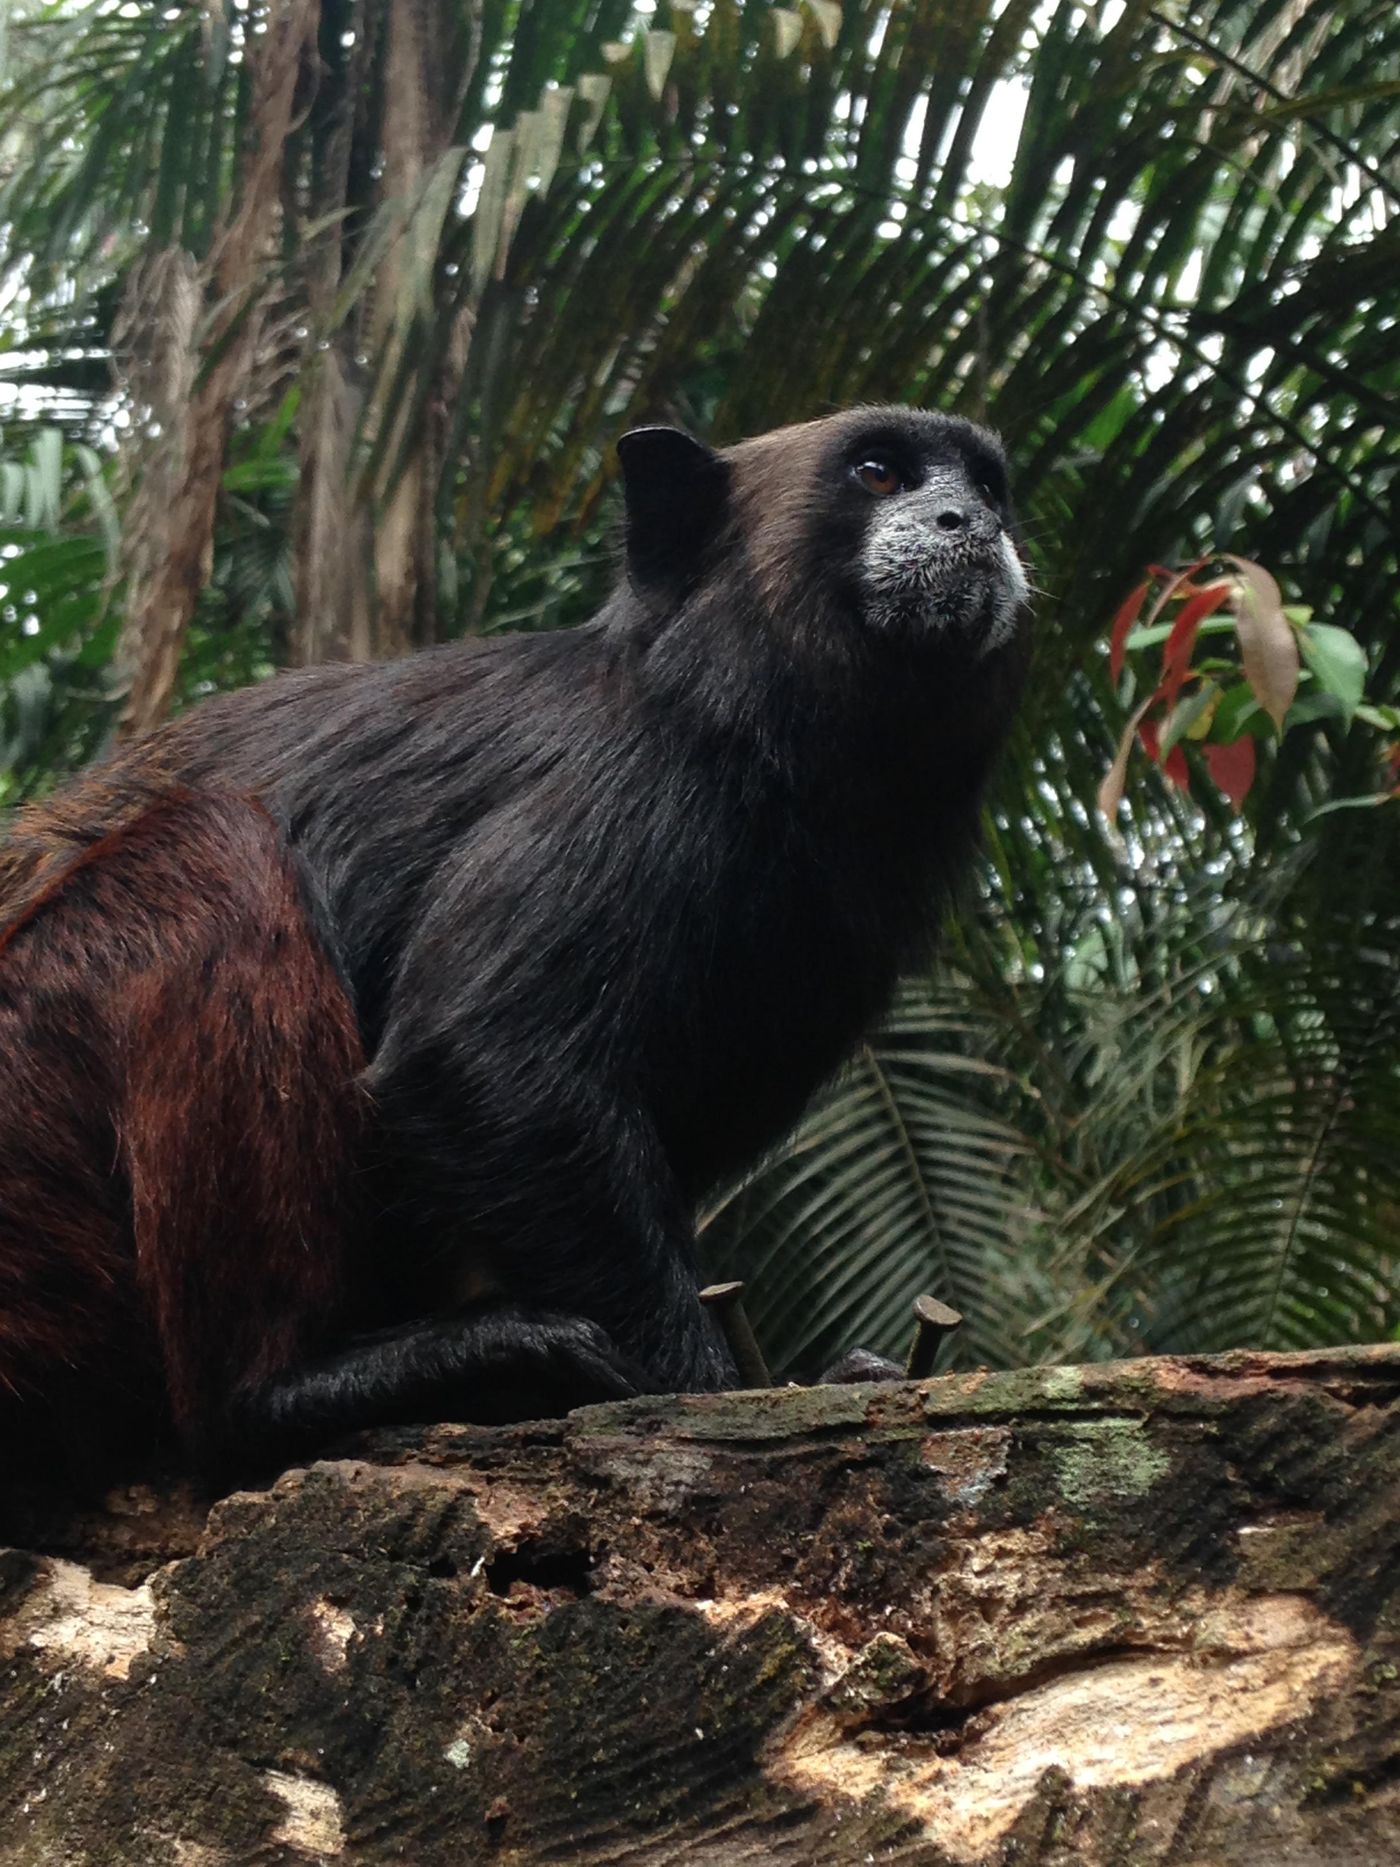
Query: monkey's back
x=376, y=772
x=672, y=906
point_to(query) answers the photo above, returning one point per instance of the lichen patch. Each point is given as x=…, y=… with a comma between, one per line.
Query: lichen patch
x=661, y=1482
x=1100, y=1461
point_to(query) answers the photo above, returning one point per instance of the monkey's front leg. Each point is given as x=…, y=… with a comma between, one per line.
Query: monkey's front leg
x=558, y=1188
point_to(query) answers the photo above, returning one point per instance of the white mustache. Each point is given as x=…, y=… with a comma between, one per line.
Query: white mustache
x=908, y=560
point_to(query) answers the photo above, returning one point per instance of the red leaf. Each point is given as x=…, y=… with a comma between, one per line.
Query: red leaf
x=1122, y=622
x=1177, y=769
x=1176, y=656
x=1232, y=767
x=1392, y=759
x=1176, y=581
x=1174, y=765
x=1116, y=777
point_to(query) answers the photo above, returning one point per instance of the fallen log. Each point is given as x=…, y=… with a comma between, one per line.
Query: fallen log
x=1146, y=1612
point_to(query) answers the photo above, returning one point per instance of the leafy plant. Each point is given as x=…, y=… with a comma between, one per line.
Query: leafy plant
x=58, y=542
x=1228, y=700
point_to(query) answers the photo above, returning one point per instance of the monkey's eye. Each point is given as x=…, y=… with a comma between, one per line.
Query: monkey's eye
x=990, y=482
x=879, y=475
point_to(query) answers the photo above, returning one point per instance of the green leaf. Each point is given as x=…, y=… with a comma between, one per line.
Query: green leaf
x=1186, y=714
x=787, y=29
x=1315, y=705
x=1338, y=661
x=1157, y=632
x=1237, y=712
x=46, y=482
x=658, y=49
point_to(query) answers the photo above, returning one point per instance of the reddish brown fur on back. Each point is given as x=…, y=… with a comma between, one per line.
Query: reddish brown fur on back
x=179, y=1116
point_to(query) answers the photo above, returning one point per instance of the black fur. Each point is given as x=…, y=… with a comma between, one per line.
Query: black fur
x=611, y=903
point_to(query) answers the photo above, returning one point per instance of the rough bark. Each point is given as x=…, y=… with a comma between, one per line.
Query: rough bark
x=1143, y=1613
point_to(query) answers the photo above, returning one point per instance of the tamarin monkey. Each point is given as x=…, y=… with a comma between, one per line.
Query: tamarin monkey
x=369, y=1037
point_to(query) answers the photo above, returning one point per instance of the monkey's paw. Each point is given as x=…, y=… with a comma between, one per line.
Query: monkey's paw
x=574, y=1361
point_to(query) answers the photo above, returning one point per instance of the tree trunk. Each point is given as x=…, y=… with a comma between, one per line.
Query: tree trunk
x=169, y=538
x=331, y=555
x=1141, y=1613
x=366, y=565
x=417, y=134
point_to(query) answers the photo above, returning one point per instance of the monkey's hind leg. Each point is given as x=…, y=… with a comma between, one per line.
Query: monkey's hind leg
x=244, y=1132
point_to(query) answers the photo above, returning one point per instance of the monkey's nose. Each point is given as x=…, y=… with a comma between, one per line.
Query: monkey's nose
x=963, y=519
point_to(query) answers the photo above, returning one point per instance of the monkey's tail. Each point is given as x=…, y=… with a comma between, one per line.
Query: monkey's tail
x=180, y=1119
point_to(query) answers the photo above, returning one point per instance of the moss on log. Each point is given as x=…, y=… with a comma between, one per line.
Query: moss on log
x=1139, y=1613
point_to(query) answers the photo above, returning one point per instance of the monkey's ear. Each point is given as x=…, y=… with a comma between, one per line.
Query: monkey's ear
x=677, y=494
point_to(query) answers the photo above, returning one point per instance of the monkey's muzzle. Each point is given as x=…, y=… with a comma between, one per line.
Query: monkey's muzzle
x=939, y=558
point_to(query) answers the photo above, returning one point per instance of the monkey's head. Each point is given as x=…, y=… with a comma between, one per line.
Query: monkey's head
x=880, y=524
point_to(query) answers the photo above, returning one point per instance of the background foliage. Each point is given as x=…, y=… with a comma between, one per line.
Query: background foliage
x=322, y=317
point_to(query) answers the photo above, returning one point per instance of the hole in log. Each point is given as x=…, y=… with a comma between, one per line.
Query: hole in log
x=537, y=1566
